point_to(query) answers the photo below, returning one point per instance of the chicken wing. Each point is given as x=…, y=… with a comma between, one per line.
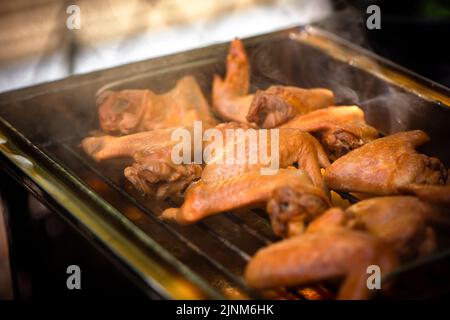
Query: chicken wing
x=384, y=165
x=131, y=111
x=266, y=108
x=251, y=188
x=321, y=255
x=339, y=129
x=230, y=98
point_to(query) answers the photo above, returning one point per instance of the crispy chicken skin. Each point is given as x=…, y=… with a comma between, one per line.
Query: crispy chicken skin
x=131, y=111
x=319, y=255
x=339, y=129
x=384, y=165
x=266, y=108
x=247, y=189
x=278, y=104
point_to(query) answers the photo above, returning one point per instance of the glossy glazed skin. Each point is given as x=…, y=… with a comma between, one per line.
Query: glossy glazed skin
x=339, y=129
x=131, y=111
x=384, y=165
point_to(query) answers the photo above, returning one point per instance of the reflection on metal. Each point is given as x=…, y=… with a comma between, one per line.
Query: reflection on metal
x=22, y=161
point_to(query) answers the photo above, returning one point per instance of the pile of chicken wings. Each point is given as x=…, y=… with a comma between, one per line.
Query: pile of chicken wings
x=323, y=150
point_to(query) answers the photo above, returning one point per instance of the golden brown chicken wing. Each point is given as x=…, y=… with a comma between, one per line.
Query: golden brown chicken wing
x=131, y=111
x=266, y=108
x=384, y=165
x=322, y=255
x=339, y=129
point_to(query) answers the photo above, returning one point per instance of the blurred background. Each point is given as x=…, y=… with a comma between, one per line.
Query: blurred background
x=36, y=46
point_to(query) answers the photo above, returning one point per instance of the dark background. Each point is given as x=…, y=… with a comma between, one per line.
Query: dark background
x=414, y=33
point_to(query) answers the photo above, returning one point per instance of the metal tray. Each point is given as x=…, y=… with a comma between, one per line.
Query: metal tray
x=41, y=128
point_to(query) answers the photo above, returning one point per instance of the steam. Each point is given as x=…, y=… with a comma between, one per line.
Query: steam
x=387, y=107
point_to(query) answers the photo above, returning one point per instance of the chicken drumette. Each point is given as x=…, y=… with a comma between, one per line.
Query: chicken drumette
x=384, y=165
